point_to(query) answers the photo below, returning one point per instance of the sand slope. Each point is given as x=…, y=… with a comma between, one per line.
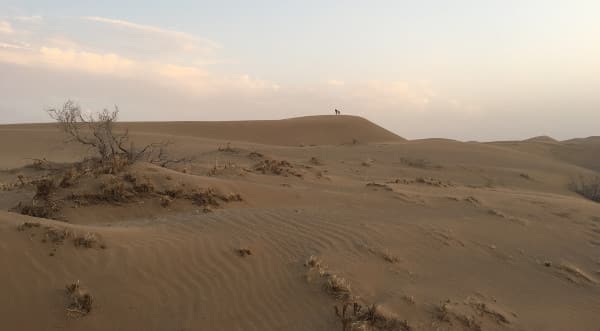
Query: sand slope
x=443, y=234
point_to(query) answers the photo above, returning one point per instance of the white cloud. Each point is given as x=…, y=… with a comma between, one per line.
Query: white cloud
x=11, y=45
x=187, y=41
x=29, y=19
x=6, y=28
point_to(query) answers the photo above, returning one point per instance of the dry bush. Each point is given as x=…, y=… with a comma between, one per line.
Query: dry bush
x=42, y=211
x=57, y=235
x=313, y=262
x=143, y=188
x=315, y=161
x=165, y=201
x=337, y=286
x=588, y=187
x=227, y=149
x=276, y=167
x=43, y=189
x=244, y=251
x=41, y=205
x=80, y=300
x=211, y=198
x=88, y=240
x=208, y=197
x=114, y=191
x=367, y=318
x=97, y=132
x=68, y=178
x=256, y=155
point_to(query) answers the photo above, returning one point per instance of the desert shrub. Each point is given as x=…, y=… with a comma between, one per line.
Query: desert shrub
x=87, y=240
x=43, y=188
x=588, y=187
x=276, y=167
x=244, y=251
x=368, y=317
x=338, y=287
x=42, y=211
x=97, y=131
x=80, y=300
x=57, y=235
x=165, y=201
x=113, y=191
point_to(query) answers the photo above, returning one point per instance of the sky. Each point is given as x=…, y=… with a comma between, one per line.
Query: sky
x=462, y=69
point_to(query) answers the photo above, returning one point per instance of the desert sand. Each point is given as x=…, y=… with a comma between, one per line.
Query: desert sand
x=273, y=223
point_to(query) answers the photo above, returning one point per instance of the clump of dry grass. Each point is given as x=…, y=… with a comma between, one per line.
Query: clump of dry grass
x=227, y=149
x=361, y=317
x=80, y=300
x=165, y=201
x=207, y=197
x=367, y=317
x=41, y=211
x=337, y=286
x=113, y=191
x=57, y=235
x=276, y=167
x=315, y=161
x=42, y=205
x=313, y=262
x=244, y=251
x=389, y=257
x=256, y=155
x=88, y=240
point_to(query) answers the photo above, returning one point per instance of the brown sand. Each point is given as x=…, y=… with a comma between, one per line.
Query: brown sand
x=442, y=234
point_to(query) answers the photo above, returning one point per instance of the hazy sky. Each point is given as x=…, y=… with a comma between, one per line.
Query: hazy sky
x=458, y=69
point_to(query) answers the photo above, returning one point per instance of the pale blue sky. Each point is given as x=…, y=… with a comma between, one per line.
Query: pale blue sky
x=457, y=69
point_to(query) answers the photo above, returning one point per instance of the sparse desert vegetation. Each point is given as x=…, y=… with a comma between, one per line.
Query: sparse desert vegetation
x=80, y=300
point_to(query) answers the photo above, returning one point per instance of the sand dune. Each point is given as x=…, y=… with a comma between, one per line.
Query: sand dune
x=439, y=234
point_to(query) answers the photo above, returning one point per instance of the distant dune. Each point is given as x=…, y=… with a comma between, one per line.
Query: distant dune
x=309, y=130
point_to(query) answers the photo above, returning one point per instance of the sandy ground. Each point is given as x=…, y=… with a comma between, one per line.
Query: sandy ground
x=443, y=235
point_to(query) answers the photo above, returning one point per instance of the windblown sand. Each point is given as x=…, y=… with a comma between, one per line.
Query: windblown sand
x=439, y=234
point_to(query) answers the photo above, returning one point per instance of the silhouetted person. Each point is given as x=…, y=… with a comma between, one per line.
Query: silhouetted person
x=337, y=112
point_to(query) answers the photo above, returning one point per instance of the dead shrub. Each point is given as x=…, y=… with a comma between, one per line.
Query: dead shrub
x=256, y=155
x=97, y=131
x=88, y=240
x=367, y=317
x=56, y=235
x=68, y=178
x=207, y=197
x=313, y=262
x=80, y=300
x=114, y=191
x=337, y=286
x=41, y=211
x=227, y=149
x=315, y=161
x=165, y=201
x=43, y=189
x=143, y=188
x=276, y=167
x=244, y=251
